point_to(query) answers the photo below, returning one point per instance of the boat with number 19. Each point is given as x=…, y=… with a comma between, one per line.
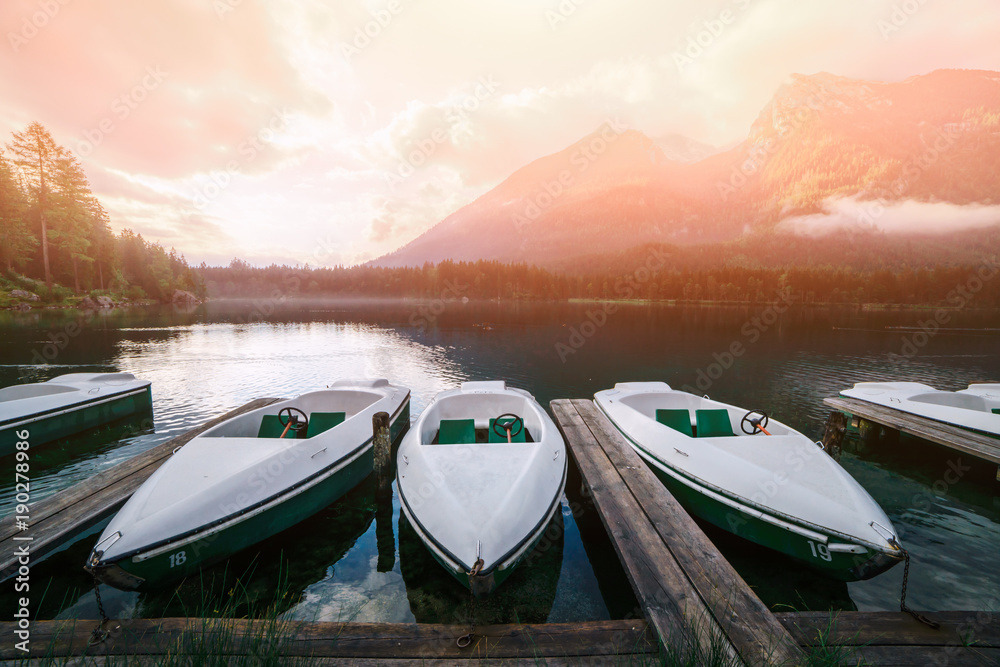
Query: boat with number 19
x=755, y=477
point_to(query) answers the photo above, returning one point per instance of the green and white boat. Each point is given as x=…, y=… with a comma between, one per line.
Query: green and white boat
x=974, y=409
x=245, y=480
x=480, y=477
x=756, y=478
x=68, y=404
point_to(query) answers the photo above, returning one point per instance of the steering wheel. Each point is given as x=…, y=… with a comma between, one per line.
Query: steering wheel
x=513, y=421
x=292, y=421
x=757, y=424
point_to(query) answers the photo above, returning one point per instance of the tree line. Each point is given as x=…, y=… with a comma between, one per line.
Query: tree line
x=54, y=230
x=976, y=285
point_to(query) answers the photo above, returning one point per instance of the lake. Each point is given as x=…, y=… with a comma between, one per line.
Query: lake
x=357, y=560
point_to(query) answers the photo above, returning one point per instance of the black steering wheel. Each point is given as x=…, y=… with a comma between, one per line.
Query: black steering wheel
x=292, y=420
x=757, y=419
x=507, y=427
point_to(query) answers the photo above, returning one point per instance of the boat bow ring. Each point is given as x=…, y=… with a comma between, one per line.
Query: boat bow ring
x=884, y=533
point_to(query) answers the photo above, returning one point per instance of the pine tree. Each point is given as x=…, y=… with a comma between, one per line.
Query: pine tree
x=72, y=213
x=36, y=153
x=16, y=240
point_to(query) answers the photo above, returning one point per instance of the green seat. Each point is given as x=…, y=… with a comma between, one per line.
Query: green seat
x=494, y=437
x=271, y=427
x=713, y=423
x=457, y=432
x=679, y=420
x=996, y=411
x=323, y=421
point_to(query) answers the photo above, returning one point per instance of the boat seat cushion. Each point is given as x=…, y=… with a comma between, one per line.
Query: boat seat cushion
x=996, y=411
x=457, y=432
x=271, y=427
x=324, y=421
x=679, y=420
x=520, y=437
x=713, y=423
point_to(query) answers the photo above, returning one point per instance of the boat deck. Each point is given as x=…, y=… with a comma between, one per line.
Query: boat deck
x=58, y=519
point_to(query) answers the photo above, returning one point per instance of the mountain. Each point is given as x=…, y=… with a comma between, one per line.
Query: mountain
x=824, y=146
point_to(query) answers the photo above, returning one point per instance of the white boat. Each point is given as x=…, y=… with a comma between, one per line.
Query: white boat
x=68, y=404
x=244, y=480
x=976, y=408
x=755, y=477
x=479, y=477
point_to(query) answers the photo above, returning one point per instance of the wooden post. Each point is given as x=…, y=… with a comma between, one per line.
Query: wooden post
x=836, y=425
x=384, y=536
x=382, y=445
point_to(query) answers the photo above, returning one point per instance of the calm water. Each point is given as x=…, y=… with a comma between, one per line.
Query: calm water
x=358, y=560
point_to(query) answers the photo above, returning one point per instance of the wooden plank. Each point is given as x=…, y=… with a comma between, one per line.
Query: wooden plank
x=922, y=656
x=58, y=518
x=751, y=627
x=669, y=600
x=967, y=442
x=343, y=640
x=893, y=628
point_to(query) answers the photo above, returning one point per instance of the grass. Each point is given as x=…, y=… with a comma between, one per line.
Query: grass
x=231, y=628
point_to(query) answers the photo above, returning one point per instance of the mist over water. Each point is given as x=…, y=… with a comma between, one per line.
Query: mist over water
x=205, y=361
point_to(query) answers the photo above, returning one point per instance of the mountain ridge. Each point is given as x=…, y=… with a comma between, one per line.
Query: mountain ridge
x=821, y=138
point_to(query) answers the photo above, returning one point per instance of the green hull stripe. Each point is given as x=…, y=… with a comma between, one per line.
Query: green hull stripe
x=218, y=546
x=73, y=420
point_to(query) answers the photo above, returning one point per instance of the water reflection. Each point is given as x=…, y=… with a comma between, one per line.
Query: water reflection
x=216, y=357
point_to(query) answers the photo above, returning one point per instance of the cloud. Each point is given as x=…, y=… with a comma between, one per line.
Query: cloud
x=351, y=122
x=903, y=217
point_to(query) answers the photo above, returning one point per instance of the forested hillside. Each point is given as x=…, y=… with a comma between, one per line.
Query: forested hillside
x=55, y=236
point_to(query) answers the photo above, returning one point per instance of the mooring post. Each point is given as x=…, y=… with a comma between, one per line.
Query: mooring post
x=382, y=445
x=836, y=426
x=384, y=537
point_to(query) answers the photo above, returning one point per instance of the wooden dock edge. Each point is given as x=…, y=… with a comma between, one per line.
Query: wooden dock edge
x=687, y=589
x=946, y=435
x=56, y=520
x=610, y=640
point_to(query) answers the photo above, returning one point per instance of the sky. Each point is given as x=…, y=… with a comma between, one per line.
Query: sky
x=328, y=132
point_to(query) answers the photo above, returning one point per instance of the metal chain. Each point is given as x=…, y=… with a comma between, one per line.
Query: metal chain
x=99, y=634
x=902, y=596
x=466, y=639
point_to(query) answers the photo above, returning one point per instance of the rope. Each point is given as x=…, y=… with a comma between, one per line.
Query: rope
x=902, y=596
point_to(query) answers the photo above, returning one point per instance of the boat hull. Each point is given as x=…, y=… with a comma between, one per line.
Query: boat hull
x=483, y=585
x=744, y=524
x=68, y=421
x=163, y=565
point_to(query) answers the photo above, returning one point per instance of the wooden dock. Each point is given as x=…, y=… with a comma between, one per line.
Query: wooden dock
x=690, y=594
x=692, y=602
x=974, y=444
x=57, y=519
